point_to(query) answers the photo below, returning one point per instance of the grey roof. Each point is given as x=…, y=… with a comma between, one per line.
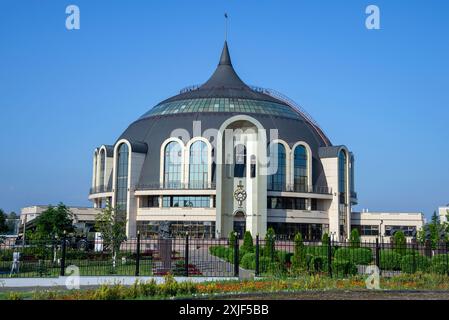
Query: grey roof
x=329, y=152
x=109, y=151
x=224, y=83
x=138, y=147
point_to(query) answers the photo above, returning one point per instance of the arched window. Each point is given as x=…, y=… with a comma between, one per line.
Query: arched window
x=102, y=167
x=239, y=161
x=276, y=181
x=300, y=174
x=172, y=165
x=122, y=177
x=198, y=165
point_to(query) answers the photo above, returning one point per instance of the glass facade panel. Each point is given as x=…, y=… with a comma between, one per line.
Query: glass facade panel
x=122, y=178
x=172, y=165
x=239, y=161
x=186, y=201
x=102, y=168
x=409, y=231
x=196, y=229
x=300, y=169
x=287, y=231
x=286, y=203
x=276, y=182
x=223, y=105
x=198, y=166
x=366, y=230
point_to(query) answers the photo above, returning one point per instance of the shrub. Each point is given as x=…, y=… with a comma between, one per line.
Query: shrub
x=6, y=254
x=317, y=263
x=232, y=238
x=270, y=242
x=399, y=242
x=354, y=238
x=14, y=296
x=414, y=263
x=355, y=255
x=284, y=257
x=341, y=268
x=299, y=260
x=317, y=250
x=248, y=245
x=248, y=261
x=325, y=240
x=440, y=264
x=264, y=262
x=389, y=260
x=148, y=289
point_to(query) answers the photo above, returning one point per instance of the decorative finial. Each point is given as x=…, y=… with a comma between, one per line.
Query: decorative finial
x=226, y=26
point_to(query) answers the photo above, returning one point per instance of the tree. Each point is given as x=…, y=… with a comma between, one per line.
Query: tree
x=53, y=222
x=354, y=238
x=269, y=244
x=325, y=239
x=399, y=242
x=299, y=256
x=434, y=231
x=248, y=245
x=3, y=225
x=111, y=224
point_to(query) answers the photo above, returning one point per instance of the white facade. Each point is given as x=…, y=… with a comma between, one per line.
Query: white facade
x=443, y=212
x=383, y=224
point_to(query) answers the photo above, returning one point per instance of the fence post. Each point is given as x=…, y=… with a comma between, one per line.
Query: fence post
x=186, y=256
x=329, y=257
x=377, y=253
x=257, y=255
x=138, y=254
x=63, y=249
x=236, y=256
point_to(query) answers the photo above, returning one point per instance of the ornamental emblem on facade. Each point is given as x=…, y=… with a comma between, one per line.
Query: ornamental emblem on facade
x=240, y=194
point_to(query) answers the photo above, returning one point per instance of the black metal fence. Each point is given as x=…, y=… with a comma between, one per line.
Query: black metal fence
x=219, y=258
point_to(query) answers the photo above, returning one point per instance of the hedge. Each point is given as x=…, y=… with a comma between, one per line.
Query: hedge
x=440, y=264
x=355, y=255
x=390, y=260
x=341, y=268
x=413, y=263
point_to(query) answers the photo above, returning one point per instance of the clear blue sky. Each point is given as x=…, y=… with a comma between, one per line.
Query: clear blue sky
x=384, y=93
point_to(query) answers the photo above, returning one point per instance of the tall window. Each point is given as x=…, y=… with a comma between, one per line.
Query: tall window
x=300, y=169
x=352, y=175
x=239, y=161
x=342, y=162
x=102, y=166
x=95, y=169
x=276, y=182
x=122, y=178
x=172, y=165
x=198, y=165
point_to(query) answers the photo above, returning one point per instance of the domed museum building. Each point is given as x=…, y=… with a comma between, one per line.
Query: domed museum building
x=226, y=156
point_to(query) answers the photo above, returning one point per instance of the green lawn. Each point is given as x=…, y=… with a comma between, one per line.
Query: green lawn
x=86, y=268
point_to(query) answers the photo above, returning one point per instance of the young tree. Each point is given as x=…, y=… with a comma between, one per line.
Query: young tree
x=53, y=222
x=248, y=245
x=354, y=239
x=399, y=242
x=270, y=244
x=3, y=224
x=111, y=224
x=299, y=256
